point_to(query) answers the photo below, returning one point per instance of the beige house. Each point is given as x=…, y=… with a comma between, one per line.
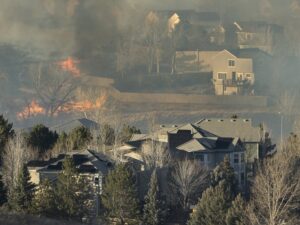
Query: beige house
x=231, y=75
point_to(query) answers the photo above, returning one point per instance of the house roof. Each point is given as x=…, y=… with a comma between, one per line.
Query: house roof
x=70, y=125
x=241, y=128
x=197, y=132
x=208, y=144
x=257, y=26
x=86, y=161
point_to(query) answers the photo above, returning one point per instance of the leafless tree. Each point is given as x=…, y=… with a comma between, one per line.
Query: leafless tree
x=155, y=154
x=53, y=86
x=155, y=29
x=14, y=157
x=276, y=189
x=188, y=179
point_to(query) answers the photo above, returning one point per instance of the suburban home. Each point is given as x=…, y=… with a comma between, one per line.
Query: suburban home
x=191, y=142
x=231, y=75
x=250, y=135
x=258, y=34
x=93, y=166
x=193, y=28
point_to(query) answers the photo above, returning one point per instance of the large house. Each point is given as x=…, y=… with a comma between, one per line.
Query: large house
x=193, y=28
x=257, y=34
x=91, y=165
x=193, y=142
x=231, y=75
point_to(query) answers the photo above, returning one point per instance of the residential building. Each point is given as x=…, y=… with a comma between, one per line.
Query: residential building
x=243, y=128
x=258, y=34
x=93, y=166
x=231, y=75
x=191, y=142
x=194, y=29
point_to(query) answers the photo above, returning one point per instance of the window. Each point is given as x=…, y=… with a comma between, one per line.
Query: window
x=248, y=75
x=231, y=63
x=236, y=158
x=242, y=158
x=222, y=76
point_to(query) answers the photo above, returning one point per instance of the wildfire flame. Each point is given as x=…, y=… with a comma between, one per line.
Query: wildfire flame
x=85, y=105
x=70, y=65
x=34, y=109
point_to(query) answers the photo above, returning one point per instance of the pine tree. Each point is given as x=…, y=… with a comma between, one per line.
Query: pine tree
x=120, y=196
x=236, y=214
x=154, y=211
x=44, y=199
x=20, y=198
x=71, y=191
x=212, y=207
x=224, y=172
x=6, y=132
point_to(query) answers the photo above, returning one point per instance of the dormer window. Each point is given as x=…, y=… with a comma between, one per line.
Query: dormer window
x=231, y=63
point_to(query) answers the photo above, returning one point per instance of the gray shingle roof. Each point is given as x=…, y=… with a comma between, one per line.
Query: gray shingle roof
x=241, y=128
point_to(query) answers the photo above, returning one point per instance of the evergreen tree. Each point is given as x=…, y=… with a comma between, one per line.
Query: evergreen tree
x=20, y=198
x=71, y=191
x=6, y=132
x=154, y=211
x=80, y=137
x=120, y=196
x=44, y=199
x=236, y=214
x=212, y=207
x=224, y=172
x=42, y=139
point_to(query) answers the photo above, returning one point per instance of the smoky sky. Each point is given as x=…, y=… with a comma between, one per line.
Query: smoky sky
x=83, y=27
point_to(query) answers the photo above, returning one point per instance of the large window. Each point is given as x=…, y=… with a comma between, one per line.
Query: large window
x=222, y=76
x=231, y=63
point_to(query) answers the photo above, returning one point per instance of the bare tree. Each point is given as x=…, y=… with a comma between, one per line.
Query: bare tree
x=155, y=30
x=276, y=189
x=14, y=157
x=188, y=179
x=155, y=154
x=53, y=86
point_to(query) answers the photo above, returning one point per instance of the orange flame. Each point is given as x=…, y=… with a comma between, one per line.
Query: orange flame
x=85, y=105
x=33, y=109
x=70, y=65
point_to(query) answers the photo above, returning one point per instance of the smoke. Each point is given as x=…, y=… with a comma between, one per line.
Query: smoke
x=87, y=27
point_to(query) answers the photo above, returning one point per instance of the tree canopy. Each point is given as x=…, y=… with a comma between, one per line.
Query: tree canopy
x=120, y=196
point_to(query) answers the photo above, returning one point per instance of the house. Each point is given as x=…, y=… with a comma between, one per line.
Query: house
x=243, y=128
x=93, y=166
x=258, y=34
x=90, y=164
x=191, y=142
x=193, y=28
x=231, y=75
